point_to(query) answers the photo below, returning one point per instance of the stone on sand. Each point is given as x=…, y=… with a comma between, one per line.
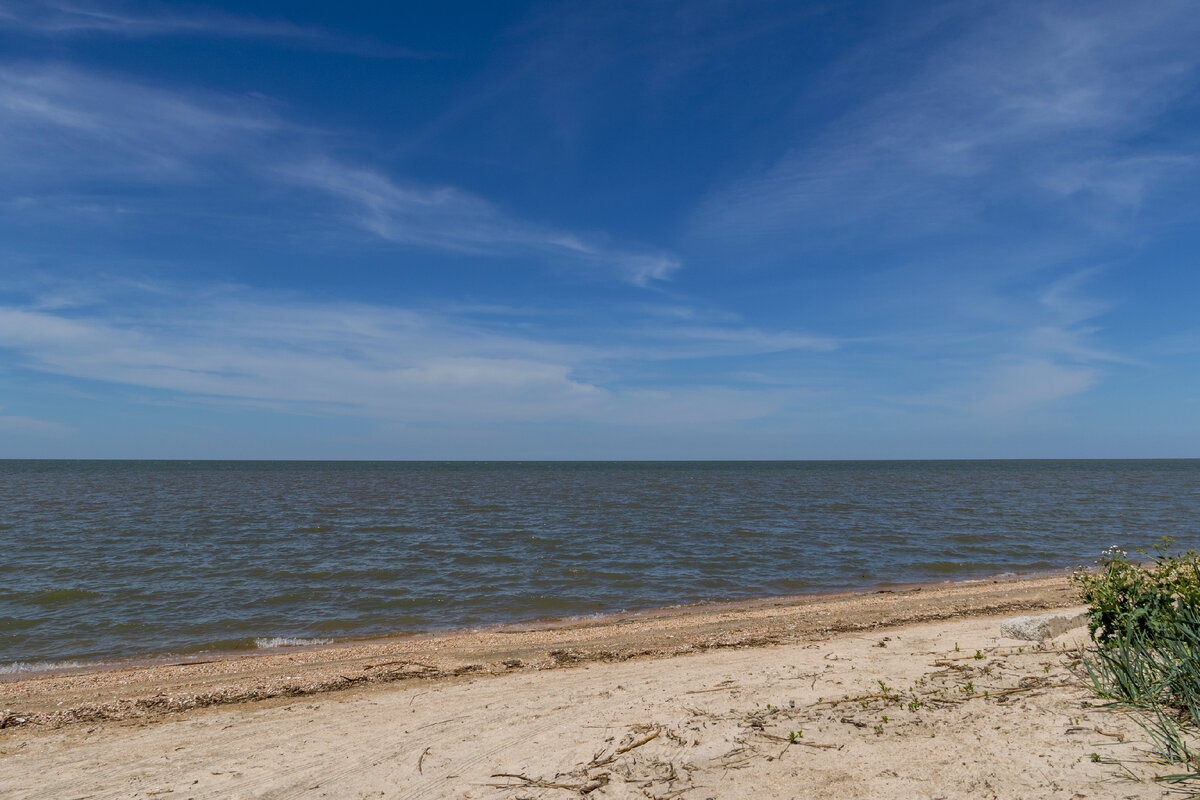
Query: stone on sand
x=1047, y=626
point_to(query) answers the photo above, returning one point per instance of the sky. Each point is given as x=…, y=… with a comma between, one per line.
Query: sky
x=653, y=230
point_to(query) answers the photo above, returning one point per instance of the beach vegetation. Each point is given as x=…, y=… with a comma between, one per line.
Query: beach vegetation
x=1147, y=597
x=1144, y=622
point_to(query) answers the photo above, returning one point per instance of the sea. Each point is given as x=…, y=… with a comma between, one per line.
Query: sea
x=104, y=561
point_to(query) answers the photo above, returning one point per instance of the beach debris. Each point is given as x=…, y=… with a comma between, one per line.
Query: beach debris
x=714, y=689
x=643, y=740
x=620, y=764
x=583, y=788
x=1035, y=629
x=8, y=718
x=421, y=759
x=566, y=655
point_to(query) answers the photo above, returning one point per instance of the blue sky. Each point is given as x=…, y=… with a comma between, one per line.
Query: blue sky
x=646, y=230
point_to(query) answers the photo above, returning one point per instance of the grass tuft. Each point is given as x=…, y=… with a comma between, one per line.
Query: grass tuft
x=1144, y=620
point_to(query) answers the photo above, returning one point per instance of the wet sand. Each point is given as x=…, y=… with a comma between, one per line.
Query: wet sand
x=856, y=695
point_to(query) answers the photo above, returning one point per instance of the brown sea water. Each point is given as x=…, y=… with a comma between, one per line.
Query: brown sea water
x=107, y=559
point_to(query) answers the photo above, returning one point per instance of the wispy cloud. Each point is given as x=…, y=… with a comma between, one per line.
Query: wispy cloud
x=996, y=154
x=378, y=362
x=1022, y=386
x=1031, y=105
x=61, y=129
x=451, y=219
x=66, y=126
x=1044, y=353
x=61, y=19
x=29, y=426
x=725, y=338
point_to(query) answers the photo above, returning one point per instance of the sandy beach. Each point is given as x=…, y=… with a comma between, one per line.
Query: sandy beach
x=911, y=692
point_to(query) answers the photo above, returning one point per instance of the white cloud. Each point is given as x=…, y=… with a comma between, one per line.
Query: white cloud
x=388, y=364
x=1030, y=99
x=29, y=426
x=60, y=127
x=758, y=340
x=61, y=19
x=1040, y=354
x=1024, y=385
x=451, y=219
x=60, y=124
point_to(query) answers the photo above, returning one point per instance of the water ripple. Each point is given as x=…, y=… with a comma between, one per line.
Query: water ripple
x=106, y=559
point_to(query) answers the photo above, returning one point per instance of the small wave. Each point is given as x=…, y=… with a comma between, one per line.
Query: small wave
x=36, y=666
x=265, y=643
x=15, y=624
x=61, y=597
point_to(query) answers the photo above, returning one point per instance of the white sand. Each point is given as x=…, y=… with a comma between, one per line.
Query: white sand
x=713, y=735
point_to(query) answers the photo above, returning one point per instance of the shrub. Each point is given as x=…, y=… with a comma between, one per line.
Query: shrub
x=1145, y=621
x=1125, y=595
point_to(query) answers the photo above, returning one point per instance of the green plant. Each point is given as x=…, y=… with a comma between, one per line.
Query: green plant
x=1123, y=594
x=1145, y=622
x=794, y=736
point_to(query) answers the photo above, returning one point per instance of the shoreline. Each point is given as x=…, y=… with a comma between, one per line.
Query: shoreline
x=157, y=689
x=914, y=693
x=85, y=665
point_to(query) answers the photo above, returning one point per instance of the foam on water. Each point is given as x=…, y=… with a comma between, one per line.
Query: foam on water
x=16, y=667
x=267, y=643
